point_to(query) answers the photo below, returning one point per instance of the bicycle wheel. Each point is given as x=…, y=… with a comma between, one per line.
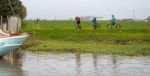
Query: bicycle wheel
x=109, y=26
x=117, y=26
x=98, y=26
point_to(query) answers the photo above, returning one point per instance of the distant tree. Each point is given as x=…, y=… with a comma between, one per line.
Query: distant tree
x=23, y=12
x=148, y=18
x=19, y=9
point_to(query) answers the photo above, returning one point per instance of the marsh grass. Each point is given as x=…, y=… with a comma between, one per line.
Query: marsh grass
x=60, y=35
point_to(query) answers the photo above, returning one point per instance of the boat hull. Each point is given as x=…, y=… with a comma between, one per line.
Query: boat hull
x=11, y=43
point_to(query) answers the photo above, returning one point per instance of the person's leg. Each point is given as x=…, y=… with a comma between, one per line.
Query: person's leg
x=95, y=26
x=79, y=26
x=76, y=26
x=113, y=23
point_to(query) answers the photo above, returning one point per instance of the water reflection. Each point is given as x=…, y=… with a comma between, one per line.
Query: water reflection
x=95, y=63
x=75, y=64
x=78, y=64
x=10, y=66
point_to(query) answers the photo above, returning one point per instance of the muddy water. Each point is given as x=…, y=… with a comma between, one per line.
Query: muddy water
x=74, y=64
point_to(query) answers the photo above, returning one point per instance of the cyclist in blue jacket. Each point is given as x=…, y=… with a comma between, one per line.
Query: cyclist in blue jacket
x=113, y=20
x=94, y=22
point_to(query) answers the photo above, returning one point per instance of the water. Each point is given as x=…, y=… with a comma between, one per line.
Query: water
x=74, y=64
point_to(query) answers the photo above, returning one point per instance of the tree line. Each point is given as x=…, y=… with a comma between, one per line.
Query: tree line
x=17, y=6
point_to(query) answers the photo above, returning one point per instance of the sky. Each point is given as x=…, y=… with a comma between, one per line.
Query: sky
x=65, y=9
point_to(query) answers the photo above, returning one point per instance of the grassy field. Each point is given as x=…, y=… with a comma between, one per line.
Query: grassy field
x=60, y=35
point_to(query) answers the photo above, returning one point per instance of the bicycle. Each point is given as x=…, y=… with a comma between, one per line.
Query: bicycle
x=116, y=26
x=77, y=26
x=95, y=26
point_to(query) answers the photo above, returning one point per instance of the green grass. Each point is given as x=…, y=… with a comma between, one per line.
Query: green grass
x=132, y=39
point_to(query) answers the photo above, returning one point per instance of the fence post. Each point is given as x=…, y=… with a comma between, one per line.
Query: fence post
x=1, y=22
x=38, y=26
x=18, y=24
x=7, y=26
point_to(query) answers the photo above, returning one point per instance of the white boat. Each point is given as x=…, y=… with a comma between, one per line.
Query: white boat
x=8, y=44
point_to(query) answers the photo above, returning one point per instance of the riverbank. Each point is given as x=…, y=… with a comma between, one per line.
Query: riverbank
x=132, y=39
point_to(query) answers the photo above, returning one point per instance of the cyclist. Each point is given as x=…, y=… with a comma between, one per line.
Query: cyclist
x=77, y=22
x=113, y=20
x=94, y=22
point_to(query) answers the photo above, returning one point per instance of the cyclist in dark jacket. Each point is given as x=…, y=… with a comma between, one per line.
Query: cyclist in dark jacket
x=77, y=22
x=94, y=22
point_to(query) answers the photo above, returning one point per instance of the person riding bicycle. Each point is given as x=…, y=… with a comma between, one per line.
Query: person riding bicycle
x=113, y=20
x=77, y=22
x=94, y=22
